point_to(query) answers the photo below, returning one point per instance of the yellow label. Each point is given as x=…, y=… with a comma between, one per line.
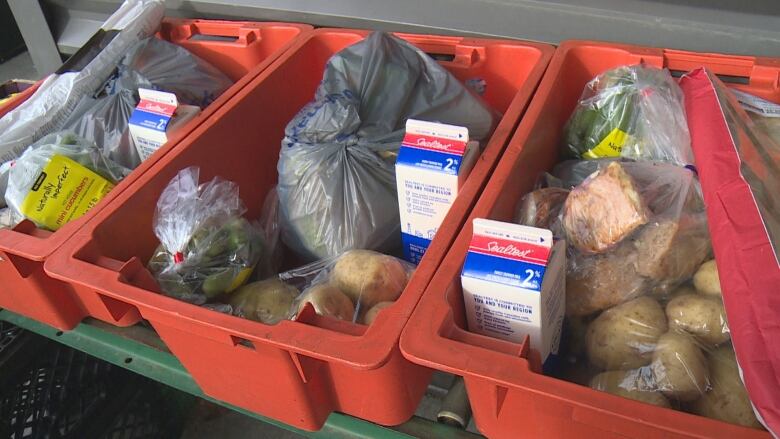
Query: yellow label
x=610, y=146
x=239, y=280
x=64, y=191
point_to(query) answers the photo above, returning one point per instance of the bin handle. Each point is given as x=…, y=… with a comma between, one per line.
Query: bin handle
x=212, y=32
x=738, y=69
x=448, y=50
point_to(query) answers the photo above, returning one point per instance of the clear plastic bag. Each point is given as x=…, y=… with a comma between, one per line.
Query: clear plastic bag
x=674, y=352
x=634, y=112
x=25, y=171
x=631, y=228
x=154, y=64
x=336, y=167
x=354, y=286
x=207, y=248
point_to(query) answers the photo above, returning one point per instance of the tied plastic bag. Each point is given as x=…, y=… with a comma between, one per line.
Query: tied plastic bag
x=635, y=112
x=60, y=178
x=336, y=168
x=153, y=64
x=355, y=287
x=206, y=247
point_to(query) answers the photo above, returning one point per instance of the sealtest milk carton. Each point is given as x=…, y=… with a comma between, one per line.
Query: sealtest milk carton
x=157, y=114
x=513, y=283
x=433, y=163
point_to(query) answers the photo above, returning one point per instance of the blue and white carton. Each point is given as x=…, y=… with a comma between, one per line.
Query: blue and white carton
x=433, y=163
x=513, y=283
x=157, y=114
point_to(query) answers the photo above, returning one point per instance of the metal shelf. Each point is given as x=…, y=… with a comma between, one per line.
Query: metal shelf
x=138, y=349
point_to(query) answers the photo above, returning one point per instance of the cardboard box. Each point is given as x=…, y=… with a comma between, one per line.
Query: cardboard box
x=433, y=163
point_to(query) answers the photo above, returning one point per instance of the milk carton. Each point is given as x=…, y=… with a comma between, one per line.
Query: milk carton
x=157, y=114
x=514, y=284
x=432, y=165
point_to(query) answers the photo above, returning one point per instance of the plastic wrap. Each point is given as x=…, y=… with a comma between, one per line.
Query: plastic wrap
x=634, y=112
x=336, y=168
x=206, y=247
x=153, y=64
x=641, y=230
x=354, y=286
x=678, y=355
x=25, y=171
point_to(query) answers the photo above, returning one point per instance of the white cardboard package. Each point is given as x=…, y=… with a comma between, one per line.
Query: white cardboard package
x=433, y=163
x=513, y=283
x=157, y=114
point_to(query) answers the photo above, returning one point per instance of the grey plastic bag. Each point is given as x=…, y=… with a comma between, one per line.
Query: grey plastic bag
x=336, y=167
x=154, y=64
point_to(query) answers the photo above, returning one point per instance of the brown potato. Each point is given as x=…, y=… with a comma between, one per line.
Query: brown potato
x=728, y=400
x=700, y=316
x=268, y=301
x=625, y=336
x=370, y=316
x=679, y=367
x=368, y=277
x=327, y=300
x=636, y=384
x=706, y=279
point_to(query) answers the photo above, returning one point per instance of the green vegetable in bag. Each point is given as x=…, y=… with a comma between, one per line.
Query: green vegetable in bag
x=633, y=112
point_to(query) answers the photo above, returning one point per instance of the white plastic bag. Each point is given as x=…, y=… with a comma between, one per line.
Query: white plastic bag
x=336, y=168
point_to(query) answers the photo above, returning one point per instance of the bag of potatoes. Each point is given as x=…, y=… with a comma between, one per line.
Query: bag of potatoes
x=675, y=352
x=354, y=286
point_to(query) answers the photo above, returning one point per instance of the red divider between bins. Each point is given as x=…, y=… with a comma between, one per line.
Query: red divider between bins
x=508, y=398
x=293, y=372
x=27, y=289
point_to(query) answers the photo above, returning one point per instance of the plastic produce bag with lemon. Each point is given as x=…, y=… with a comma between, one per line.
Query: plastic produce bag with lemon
x=634, y=112
x=207, y=248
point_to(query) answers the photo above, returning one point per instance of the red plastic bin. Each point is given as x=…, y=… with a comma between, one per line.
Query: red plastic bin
x=27, y=290
x=295, y=372
x=509, y=398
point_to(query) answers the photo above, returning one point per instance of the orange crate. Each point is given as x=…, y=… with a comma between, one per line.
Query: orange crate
x=27, y=290
x=293, y=372
x=509, y=398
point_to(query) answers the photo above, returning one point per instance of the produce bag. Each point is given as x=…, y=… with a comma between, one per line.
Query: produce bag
x=153, y=64
x=672, y=353
x=632, y=229
x=645, y=317
x=60, y=178
x=336, y=167
x=354, y=286
x=207, y=248
x=52, y=103
x=634, y=112
x=739, y=166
